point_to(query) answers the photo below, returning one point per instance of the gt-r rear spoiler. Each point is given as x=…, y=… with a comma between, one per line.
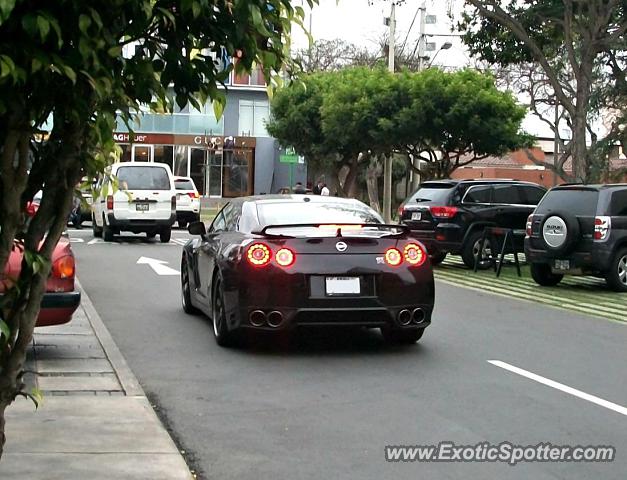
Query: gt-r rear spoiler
x=400, y=229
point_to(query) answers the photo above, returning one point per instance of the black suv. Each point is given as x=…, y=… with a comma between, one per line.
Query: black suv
x=579, y=230
x=449, y=216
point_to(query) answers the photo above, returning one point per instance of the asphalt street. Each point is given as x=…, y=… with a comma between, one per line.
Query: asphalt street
x=326, y=405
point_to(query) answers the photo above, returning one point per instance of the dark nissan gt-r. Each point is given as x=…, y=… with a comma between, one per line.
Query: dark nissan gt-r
x=279, y=262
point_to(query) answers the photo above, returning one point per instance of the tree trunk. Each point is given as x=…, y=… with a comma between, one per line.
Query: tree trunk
x=372, y=181
x=3, y=438
x=350, y=185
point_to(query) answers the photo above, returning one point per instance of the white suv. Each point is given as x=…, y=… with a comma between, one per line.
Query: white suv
x=145, y=201
x=187, y=201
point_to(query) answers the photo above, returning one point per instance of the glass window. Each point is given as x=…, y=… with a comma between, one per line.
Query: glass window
x=530, y=195
x=241, y=79
x=284, y=213
x=180, y=161
x=434, y=193
x=619, y=203
x=257, y=78
x=577, y=201
x=143, y=178
x=231, y=216
x=197, y=169
x=506, y=195
x=246, y=118
x=164, y=154
x=164, y=123
x=181, y=123
x=478, y=194
x=184, y=184
x=219, y=224
x=120, y=126
x=262, y=114
x=125, y=156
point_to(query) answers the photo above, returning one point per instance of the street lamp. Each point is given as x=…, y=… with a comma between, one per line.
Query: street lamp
x=445, y=46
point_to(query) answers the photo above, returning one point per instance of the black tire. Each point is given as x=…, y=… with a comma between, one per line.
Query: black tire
x=107, y=232
x=470, y=250
x=186, y=296
x=221, y=332
x=542, y=275
x=96, y=230
x=437, y=258
x=397, y=336
x=165, y=235
x=182, y=224
x=616, y=278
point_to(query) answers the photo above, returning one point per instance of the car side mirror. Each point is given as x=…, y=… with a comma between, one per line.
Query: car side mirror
x=197, y=228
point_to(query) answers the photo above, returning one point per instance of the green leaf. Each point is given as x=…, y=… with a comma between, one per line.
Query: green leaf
x=84, y=23
x=4, y=329
x=70, y=73
x=7, y=66
x=219, y=104
x=44, y=27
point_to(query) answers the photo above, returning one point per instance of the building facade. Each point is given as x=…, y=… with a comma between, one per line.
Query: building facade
x=230, y=157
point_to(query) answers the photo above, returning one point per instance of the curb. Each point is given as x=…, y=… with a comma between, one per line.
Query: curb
x=127, y=379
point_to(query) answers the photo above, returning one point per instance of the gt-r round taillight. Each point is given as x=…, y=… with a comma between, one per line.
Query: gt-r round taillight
x=258, y=255
x=414, y=254
x=285, y=257
x=393, y=257
x=64, y=267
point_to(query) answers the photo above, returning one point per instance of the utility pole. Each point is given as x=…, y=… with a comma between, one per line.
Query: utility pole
x=422, y=38
x=387, y=170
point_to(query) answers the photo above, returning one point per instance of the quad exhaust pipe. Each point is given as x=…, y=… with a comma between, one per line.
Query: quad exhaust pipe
x=404, y=317
x=259, y=318
x=418, y=316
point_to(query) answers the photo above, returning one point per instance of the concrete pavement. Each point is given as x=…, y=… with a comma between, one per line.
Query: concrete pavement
x=95, y=421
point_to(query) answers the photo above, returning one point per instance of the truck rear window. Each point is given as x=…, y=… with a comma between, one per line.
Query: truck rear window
x=143, y=178
x=184, y=184
x=433, y=193
x=580, y=202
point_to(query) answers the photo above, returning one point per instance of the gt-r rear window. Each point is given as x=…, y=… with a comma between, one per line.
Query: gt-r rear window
x=184, y=184
x=143, y=178
x=309, y=212
x=580, y=202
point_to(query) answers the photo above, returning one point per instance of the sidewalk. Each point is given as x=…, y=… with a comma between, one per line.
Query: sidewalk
x=95, y=422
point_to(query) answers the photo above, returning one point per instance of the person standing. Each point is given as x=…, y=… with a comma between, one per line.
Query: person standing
x=299, y=189
x=317, y=189
x=325, y=190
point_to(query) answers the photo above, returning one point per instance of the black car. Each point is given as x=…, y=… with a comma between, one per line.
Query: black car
x=276, y=262
x=579, y=230
x=449, y=216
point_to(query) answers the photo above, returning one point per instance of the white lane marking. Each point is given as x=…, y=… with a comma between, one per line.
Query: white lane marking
x=560, y=386
x=159, y=266
x=180, y=241
x=76, y=240
x=95, y=240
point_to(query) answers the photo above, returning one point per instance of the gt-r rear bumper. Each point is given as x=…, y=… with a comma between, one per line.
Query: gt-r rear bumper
x=273, y=299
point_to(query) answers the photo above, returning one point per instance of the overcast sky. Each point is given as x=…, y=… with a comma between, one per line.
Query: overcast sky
x=357, y=22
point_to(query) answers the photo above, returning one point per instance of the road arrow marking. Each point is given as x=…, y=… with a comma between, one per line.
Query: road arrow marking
x=560, y=386
x=76, y=240
x=95, y=240
x=159, y=266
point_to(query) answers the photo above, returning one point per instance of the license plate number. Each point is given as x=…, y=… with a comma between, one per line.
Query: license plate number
x=342, y=286
x=416, y=215
x=562, y=264
x=141, y=207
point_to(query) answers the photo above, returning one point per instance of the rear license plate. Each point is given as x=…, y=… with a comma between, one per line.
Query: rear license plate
x=342, y=286
x=562, y=264
x=416, y=215
x=141, y=207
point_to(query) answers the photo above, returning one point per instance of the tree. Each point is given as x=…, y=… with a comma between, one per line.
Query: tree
x=453, y=119
x=578, y=44
x=359, y=115
x=80, y=63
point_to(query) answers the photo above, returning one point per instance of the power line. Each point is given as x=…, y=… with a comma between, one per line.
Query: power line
x=410, y=27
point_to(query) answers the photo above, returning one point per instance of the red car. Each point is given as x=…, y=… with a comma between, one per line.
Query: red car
x=61, y=299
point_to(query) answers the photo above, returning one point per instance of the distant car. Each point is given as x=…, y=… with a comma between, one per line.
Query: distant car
x=187, y=201
x=277, y=262
x=144, y=203
x=61, y=299
x=579, y=230
x=449, y=216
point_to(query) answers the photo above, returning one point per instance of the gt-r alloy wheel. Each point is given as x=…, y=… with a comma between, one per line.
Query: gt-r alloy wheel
x=185, y=290
x=223, y=337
